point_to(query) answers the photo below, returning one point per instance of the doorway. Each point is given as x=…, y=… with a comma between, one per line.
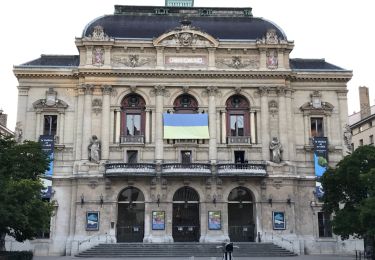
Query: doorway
x=241, y=224
x=131, y=216
x=186, y=224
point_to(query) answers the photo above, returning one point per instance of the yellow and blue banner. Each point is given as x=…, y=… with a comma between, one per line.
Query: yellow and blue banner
x=185, y=126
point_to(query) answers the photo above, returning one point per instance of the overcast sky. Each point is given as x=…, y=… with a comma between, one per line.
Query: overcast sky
x=341, y=31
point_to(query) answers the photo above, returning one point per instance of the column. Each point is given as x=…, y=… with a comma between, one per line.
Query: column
x=118, y=126
x=79, y=127
x=37, y=125
x=113, y=126
x=283, y=124
x=87, y=121
x=61, y=127
x=159, y=104
x=218, y=127
x=212, y=154
x=223, y=126
x=147, y=126
x=106, y=115
x=252, y=127
x=263, y=92
x=290, y=119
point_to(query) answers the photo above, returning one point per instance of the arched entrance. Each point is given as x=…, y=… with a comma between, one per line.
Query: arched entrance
x=131, y=215
x=186, y=226
x=241, y=224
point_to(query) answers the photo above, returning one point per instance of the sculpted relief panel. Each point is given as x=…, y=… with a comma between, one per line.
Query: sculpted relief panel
x=122, y=58
x=238, y=62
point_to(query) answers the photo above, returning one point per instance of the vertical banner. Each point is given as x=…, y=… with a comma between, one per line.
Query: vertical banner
x=320, y=155
x=48, y=143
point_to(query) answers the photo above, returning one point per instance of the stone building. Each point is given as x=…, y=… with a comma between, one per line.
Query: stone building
x=4, y=130
x=362, y=124
x=117, y=178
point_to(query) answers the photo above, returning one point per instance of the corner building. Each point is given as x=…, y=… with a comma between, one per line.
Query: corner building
x=115, y=176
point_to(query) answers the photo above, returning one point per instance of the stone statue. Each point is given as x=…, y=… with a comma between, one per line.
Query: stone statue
x=18, y=132
x=94, y=149
x=276, y=149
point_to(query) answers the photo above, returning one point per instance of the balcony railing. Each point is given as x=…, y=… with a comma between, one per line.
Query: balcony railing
x=238, y=140
x=253, y=168
x=186, y=168
x=129, y=169
x=138, y=139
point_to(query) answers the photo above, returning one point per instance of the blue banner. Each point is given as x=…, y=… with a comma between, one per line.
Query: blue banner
x=320, y=155
x=48, y=145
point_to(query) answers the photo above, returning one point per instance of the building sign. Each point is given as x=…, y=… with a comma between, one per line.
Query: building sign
x=48, y=144
x=278, y=220
x=320, y=155
x=185, y=60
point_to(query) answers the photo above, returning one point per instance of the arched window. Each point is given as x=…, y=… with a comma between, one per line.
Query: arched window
x=185, y=104
x=132, y=119
x=238, y=116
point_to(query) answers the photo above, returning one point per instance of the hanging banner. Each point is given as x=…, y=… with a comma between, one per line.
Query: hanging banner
x=48, y=145
x=185, y=126
x=320, y=155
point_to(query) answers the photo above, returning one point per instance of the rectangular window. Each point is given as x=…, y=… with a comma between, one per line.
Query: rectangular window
x=317, y=127
x=324, y=222
x=133, y=124
x=132, y=156
x=50, y=125
x=360, y=142
x=237, y=125
x=185, y=157
x=239, y=156
x=371, y=139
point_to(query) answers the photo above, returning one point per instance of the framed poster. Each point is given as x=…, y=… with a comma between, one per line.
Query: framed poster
x=158, y=220
x=214, y=220
x=92, y=220
x=278, y=220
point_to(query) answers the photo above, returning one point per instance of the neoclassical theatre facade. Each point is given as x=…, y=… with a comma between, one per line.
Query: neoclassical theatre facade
x=117, y=178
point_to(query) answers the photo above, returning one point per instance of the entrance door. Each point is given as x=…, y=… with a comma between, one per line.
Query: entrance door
x=241, y=216
x=186, y=225
x=131, y=214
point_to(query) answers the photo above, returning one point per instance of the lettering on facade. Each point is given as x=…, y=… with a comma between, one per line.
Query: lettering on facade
x=174, y=60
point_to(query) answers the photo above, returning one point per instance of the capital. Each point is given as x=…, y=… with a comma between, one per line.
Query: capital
x=87, y=88
x=263, y=91
x=107, y=89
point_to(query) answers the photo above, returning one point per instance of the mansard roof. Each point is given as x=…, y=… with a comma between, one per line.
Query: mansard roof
x=312, y=64
x=54, y=60
x=148, y=22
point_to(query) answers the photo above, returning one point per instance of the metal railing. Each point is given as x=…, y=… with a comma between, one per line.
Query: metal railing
x=252, y=167
x=186, y=167
x=123, y=168
x=139, y=139
x=95, y=238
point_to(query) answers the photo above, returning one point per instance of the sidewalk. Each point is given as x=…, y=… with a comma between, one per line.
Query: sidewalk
x=305, y=257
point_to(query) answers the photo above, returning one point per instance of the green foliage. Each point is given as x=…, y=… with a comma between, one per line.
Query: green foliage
x=349, y=193
x=23, y=213
x=19, y=255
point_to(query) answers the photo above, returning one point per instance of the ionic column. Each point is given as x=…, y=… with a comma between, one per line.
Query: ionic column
x=223, y=126
x=37, y=125
x=147, y=126
x=159, y=104
x=252, y=127
x=106, y=115
x=265, y=137
x=87, y=120
x=79, y=127
x=283, y=124
x=212, y=154
x=61, y=127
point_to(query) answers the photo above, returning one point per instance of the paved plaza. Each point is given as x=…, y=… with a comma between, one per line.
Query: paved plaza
x=309, y=257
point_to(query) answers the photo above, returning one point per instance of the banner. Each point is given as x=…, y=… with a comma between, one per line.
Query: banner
x=320, y=155
x=48, y=145
x=185, y=126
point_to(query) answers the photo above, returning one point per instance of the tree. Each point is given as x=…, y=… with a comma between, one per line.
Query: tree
x=23, y=213
x=349, y=194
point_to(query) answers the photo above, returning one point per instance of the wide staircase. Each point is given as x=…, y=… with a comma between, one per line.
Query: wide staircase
x=183, y=250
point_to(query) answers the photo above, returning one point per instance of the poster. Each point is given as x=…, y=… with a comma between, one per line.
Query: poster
x=48, y=142
x=92, y=220
x=158, y=220
x=278, y=220
x=214, y=220
x=320, y=155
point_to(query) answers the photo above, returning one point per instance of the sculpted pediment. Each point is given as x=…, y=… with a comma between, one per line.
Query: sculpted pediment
x=186, y=36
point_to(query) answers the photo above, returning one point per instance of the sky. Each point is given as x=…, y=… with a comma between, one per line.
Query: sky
x=338, y=30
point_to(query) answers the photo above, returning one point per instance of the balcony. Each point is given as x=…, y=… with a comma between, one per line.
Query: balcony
x=238, y=140
x=132, y=139
x=253, y=168
x=186, y=169
x=129, y=169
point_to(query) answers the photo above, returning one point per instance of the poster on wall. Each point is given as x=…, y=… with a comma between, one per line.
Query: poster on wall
x=278, y=220
x=214, y=220
x=48, y=142
x=92, y=220
x=158, y=220
x=320, y=155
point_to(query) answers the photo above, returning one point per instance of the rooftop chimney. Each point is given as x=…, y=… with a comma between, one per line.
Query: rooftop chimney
x=3, y=118
x=364, y=102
